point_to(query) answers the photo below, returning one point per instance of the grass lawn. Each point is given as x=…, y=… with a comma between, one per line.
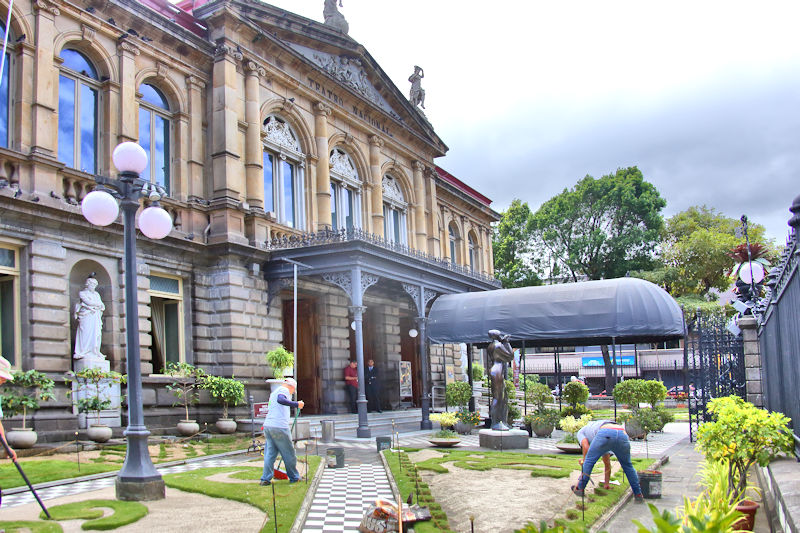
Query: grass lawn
x=48, y=470
x=598, y=500
x=288, y=496
x=32, y=526
x=92, y=511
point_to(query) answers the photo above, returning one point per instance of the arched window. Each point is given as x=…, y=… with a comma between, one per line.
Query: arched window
x=78, y=92
x=154, y=135
x=5, y=93
x=284, y=173
x=394, y=211
x=473, y=253
x=452, y=233
x=345, y=192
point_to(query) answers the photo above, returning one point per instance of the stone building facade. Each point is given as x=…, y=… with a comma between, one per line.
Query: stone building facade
x=278, y=139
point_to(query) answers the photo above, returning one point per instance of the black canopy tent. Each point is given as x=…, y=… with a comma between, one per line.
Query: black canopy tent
x=624, y=310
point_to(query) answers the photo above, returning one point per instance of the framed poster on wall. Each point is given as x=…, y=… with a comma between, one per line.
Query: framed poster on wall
x=449, y=373
x=405, y=379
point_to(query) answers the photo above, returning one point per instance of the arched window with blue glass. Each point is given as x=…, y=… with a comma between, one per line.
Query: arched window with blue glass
x=345, y=192
x=154, y=135
x=5, y=92
x=284, y=173
x=394, y=211
x=78, y=94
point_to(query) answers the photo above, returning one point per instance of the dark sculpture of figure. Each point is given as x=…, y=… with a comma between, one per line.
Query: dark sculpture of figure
x=501, y=353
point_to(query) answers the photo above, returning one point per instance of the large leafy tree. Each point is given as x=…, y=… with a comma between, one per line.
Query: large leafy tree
x=602, y=228
x=513, y=261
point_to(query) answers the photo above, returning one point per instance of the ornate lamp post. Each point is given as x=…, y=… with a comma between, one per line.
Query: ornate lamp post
x=138, y=479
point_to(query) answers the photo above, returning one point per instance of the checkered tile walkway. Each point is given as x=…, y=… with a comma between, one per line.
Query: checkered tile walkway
x=343, y=495
x=22, y=498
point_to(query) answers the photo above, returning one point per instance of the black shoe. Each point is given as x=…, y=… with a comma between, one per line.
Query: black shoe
x=576, y=491
x=265, y=483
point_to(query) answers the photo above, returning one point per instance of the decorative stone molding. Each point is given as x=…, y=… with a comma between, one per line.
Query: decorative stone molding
x=342, y=165
x=252, y=68
x=193, y=82
x=87, y=33
x=161, y=70
x=348, y=71
x=341, y=279
x=374, y=140
x=320, y=108
x=391, y=190
x=223, y=50
x=287, y=104
x=125, y=47
x=417, y=166
x=279, y=133
x=51, y=6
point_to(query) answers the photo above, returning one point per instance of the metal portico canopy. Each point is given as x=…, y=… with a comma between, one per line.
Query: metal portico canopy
x=628, y=310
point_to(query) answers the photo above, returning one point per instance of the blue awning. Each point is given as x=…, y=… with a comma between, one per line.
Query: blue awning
x=592, y=312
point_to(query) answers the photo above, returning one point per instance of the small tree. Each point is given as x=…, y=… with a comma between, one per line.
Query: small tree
x=457, y=394
x=653, y=392
x=279, y=359
x=741, y=435
x=630, y=392
x=184, y=388
x=539, y=394
x=90, y=381
x=26, y=391
x=477, y=372
x=225, y=391
x=576, y=392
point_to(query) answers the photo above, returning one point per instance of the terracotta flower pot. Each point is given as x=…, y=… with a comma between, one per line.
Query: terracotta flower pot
x=748, y=508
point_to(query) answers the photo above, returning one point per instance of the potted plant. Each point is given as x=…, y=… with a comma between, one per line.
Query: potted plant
x=280, y=359
x=467, y=420
x=571, y=426
x=187, y=380
x=542, y=423
x=225, y=391
x=26, y=391
x=445, y=437
x=93, y=397
x=477, y=375
x=457, y=394
x=575, y=394
x=741, y=435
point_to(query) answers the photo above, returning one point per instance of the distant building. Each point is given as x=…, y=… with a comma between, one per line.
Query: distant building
x=278, y=139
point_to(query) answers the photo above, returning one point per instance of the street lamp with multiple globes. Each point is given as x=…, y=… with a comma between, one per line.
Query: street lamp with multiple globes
x=138, y=479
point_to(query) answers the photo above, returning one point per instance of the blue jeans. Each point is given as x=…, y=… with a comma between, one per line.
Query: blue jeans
x=614, y=441
x=279, y=441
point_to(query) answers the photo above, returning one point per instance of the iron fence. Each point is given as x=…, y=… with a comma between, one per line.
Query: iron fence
x=778, y=314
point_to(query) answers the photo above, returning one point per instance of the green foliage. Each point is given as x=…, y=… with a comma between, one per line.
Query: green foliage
x=25, y=391
x=512, y=246
x=539, y=394
x=577, y=411
x=653, y=391
x=13, y=526
x=446, y=420
x=444, y=433
x=225, y=391
x=124, y=513
x=185, y=386
x=558, y=528
x=457, y=394
x=692, y=304
x=546, y=417
x=90, y=381
x=576, y=393
x=601, y=228
x=513, y=412
x=468, y=417
x=572, y=425
x=48, y=470
x=630, y=392
x=741, y=435
x=279, y=359
x=477, y=372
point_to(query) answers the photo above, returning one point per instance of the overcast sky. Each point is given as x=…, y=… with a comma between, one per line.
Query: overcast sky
x=530, y=96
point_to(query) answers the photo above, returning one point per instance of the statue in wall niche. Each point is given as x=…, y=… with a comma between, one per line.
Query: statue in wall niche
x=417, y=94
x=333, y=18
x=89, y=313
x=501, y=353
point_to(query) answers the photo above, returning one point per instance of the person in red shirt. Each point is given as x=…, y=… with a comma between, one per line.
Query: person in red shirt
x=351, y=384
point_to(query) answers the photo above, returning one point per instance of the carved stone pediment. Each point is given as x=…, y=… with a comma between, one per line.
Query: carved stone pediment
x=278, y=133
x=342, y=166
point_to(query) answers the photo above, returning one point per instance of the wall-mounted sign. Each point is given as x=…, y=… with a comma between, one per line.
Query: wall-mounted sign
x=405, y=379
x=261, y=409
x=449, y=373
x=620, y=360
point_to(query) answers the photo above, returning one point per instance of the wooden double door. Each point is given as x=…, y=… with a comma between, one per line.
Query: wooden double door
x=307, y=355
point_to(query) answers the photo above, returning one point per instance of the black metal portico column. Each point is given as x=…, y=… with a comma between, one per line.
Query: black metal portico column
x=138, y=479
x=358, y=313
x=426, y=368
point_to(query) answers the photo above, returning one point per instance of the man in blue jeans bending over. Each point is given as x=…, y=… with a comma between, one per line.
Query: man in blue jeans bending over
x=602, y=438
x=276, y=431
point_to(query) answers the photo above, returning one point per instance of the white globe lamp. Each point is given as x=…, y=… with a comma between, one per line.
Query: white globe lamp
x=129, y=157
x=155, y=222
x=413, y=333
x=757, y=272
x=100, y=208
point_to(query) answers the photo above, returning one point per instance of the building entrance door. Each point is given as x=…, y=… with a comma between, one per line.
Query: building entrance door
x=409, y=351
x=307, y=363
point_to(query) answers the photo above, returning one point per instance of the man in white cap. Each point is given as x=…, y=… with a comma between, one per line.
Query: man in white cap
x=276, y=431
x=5, y=375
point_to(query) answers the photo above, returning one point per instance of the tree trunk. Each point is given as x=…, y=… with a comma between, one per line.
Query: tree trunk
x=610, y=379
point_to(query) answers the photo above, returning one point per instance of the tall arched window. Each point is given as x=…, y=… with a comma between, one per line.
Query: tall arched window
x=345, y=191
x=5, y=93
x=394, y=211
x=473, y=253
x=284, y=173
x=452, y=234
x=78, y=90
x=154, y=136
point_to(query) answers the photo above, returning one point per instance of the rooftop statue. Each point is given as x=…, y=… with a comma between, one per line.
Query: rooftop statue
x=333, y=18
x=417, y=94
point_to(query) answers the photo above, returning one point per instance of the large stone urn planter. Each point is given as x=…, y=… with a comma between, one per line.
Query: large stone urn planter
x=541, y=430
x=462, y=428
x=188, y=427
x=226, y=425
x=634, y=429
x=21, y=438
x=99, y=433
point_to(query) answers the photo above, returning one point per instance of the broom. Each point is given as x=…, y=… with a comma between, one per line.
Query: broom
x=277, y=473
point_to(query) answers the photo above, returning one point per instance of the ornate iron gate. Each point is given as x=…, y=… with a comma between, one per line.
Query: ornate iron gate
x=715, y=367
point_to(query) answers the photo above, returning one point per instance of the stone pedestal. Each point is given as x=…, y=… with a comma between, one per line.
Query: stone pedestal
x=107, y=389
x=513, y=439
x=752, y=360
x=140, y=491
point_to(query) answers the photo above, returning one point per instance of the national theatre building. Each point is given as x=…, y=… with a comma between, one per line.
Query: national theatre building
x=301, y=182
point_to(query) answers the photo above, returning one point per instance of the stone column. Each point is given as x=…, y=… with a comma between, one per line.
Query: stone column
x=446, y=236
x=48, y=310
x=253, y=165
x=194, y=181
x=434, y=243
x=419, y=206
x=128, y=112
x=45, y=80
x=375, y=145
x=752, y=360
x=323, y=192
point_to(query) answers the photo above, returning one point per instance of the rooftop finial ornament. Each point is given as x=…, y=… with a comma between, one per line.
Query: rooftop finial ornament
x=333, y=18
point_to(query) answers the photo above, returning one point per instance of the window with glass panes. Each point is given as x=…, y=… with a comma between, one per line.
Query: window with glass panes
x=473, y=253
x=394, y=211
x=453, y=242
x=78, y=96
x=9, y=304
x=5, y=93
x=154, y=135
x=166, y=317
x=345, y=191
x=284, y=173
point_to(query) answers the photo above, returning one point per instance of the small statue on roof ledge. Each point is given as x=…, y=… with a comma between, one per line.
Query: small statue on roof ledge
x=333, y=18
x=417, y=94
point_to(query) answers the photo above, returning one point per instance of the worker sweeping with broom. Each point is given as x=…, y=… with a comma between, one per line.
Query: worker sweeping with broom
x=278, y=436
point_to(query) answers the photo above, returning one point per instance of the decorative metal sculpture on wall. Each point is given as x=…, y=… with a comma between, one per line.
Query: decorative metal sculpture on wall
x=716, y=366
